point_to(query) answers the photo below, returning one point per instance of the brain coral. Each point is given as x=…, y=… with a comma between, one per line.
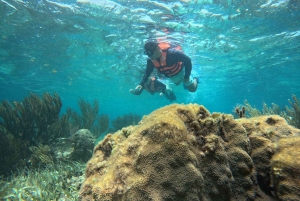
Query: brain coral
x=178, y=152
x=276, y=154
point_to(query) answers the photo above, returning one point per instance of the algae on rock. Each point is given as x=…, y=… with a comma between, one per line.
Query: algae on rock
x=182, y=152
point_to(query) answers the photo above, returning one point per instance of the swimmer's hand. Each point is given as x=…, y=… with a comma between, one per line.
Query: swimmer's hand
x=138, y=87
x=137, y=91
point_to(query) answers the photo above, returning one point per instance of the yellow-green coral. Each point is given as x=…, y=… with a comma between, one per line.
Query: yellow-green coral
x=286, y=168
x=290, y=114
x=175, y=153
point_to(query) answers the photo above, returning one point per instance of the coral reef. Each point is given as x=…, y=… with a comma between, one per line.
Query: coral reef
x=29, y=119
x=79, y=147
x=266, y=134
x=102, y=125
x=290, y=114
x=89, y=112
x=240, y=113
x=40, y=155
x=125, y=120
x=31, y=129
x=286, y=169
x=83, y=143
x=293, y=113
x=182, y=152
x=89, y=117
x=25, y=124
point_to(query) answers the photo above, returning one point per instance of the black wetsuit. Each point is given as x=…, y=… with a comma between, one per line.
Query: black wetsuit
x=173, y=56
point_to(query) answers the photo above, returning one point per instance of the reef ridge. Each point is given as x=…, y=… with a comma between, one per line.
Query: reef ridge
x=185, y=153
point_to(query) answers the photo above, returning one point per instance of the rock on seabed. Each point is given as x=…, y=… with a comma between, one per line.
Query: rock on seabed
x=184, y=153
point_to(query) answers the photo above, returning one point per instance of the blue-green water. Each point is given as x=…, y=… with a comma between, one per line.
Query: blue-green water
x=94, y=50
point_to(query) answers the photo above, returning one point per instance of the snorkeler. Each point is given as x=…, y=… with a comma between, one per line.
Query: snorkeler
x=152, y=85
x=170, y=62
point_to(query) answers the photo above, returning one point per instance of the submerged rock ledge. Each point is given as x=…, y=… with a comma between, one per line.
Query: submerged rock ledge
x=184, y=153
